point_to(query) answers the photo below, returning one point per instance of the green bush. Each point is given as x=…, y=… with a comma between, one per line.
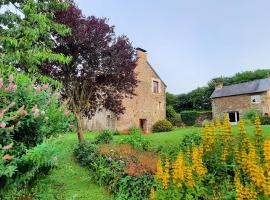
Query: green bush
x=189, y=117
x=189, y=140
x=162, y=126
x=110, y=172
x=136, y=140
x=170, y=113
x=134, y=187
x=22, y=171
x=251, y=114
x=30, y=112
x=105, y=137
x=177, y=121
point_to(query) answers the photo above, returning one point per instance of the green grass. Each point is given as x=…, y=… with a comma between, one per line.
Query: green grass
x=72, y=182
x=69, y=181
x=174, y=137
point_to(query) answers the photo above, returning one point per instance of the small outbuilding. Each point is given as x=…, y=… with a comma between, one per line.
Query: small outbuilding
x=238, y=98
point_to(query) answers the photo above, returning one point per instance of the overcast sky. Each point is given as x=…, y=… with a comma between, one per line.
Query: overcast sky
x=189, y=42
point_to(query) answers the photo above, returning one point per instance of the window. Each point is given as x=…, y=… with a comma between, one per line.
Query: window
x=256, y=99
x=155, y=87
x=234, y=116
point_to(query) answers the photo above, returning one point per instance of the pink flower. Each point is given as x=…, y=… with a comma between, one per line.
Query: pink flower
x=7, y=147
x=67, y=113
x=10, y=78
x=21, y=111
x=38, y=89
x=1, y=83
x=8, y=157
x=35, y=111
x=45, y=86
x=2, y=124
x=11, y=87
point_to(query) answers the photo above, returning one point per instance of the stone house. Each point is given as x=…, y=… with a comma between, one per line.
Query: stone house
x=238, y=98
x=142, y=110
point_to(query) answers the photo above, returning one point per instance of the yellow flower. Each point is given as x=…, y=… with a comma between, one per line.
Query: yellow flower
x=198, y=167
x=152, y=194
x=178, y=170
x=224, y=155
x=188, y=177
x=243, y=192
x=166, y=174
x=159, y=173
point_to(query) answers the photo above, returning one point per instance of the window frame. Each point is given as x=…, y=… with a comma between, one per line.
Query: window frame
x=158, y=86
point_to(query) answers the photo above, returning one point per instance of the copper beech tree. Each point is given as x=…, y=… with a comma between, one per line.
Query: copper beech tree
x=101, y=71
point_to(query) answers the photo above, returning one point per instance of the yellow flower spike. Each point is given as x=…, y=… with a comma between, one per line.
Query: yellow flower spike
x=166, y=174
x=159, y=173
x=152, y=194
x=178, y=170
x=198, y=167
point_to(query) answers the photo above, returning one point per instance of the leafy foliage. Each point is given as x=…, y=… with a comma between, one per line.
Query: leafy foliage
x=101, y=71
x=189, y=117
x=29, y=113
x=105, y=137
x=26, y=27
x=162, y=126
x=136, y=140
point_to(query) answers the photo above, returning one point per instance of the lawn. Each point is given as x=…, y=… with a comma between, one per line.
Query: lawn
x=70, y=181
x=175, y=136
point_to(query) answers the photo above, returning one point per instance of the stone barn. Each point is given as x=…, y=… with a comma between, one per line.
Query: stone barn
x=238, y=98
x=143, y=110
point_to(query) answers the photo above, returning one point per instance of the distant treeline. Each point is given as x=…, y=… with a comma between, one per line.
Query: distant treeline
x=199, y=99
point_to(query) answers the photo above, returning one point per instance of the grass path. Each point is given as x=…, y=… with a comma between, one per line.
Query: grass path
x=69, y=181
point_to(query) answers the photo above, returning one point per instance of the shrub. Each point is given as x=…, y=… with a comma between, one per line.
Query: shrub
x=189, y=140
x=86, y=153
x=177, y=121
x=134, y=187
x=170, y=113
x=29, y=113
x=137, y=140
x=189, y=117
x=162, y=126
x=33, y=164
x=105, y=137
x=251, y=114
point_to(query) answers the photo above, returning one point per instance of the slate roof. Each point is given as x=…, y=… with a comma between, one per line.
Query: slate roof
x=256, y=86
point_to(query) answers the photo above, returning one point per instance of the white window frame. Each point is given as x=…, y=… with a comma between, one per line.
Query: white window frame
x=257, y=98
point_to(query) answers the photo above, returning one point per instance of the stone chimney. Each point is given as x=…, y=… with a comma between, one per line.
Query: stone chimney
x=219, y=86
x=141, y=54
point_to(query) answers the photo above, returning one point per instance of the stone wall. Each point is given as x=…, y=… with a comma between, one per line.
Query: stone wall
x=240, y=103
x=146, y=105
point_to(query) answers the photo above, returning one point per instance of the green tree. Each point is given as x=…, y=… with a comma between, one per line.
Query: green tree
x=26, y=28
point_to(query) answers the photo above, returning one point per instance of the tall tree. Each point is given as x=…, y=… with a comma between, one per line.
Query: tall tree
x=26, y=28
x=101, y=71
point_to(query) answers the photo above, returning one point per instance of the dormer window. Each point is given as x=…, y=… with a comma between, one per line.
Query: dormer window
x=155, y=86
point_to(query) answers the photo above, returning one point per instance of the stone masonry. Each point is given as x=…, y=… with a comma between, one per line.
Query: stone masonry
x=240, y=103
x=142, y=110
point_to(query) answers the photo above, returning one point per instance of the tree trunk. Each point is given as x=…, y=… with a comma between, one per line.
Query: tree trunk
x=80, y=126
